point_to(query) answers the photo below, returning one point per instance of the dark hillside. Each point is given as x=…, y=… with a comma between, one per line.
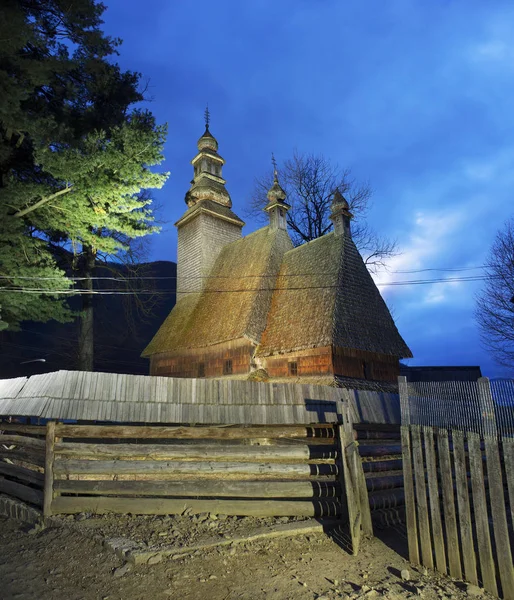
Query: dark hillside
x=124, y=324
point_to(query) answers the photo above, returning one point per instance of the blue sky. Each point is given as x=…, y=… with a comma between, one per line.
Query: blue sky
x=415, y=97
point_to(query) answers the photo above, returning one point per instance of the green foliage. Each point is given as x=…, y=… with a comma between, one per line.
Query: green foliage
x=74, y=159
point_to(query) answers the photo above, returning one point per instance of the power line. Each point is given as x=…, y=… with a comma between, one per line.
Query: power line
x=259, y=276
x=76, y=292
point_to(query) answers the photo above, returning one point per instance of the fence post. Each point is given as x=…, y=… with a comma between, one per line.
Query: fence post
x=354, y=495
x=49, y=468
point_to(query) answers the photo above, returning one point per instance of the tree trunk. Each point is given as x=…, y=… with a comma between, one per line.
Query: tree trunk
x=86, y=332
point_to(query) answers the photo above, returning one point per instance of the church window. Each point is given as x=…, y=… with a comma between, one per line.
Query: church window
x=201, y=369
x=293, y=368
x=227, y=367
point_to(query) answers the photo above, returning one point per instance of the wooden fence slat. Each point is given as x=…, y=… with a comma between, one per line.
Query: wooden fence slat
x=485, y=552
x=435, y=509
x=421, y=498
x=22, y=473
x=465, y=524
x=22, y=492
x=195, y=452
x=49, y=468
x=450, y=520
x=225, y=488
x=208, y=432
x=410, y=502
x=499, y=514
x=508, y=457
x=204, y=468
x=165, y=506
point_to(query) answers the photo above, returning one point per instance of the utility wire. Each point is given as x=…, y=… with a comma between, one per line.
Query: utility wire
x=175, y=277
x=75, y=292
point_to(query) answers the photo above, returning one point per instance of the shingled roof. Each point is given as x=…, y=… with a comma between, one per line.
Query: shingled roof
x=236, y=299
x=326, y=296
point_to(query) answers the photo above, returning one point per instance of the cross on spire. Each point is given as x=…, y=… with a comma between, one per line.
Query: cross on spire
x=274, y=163
x=207, y=116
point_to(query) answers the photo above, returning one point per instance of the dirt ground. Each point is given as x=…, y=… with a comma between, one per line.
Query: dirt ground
x=67, y=562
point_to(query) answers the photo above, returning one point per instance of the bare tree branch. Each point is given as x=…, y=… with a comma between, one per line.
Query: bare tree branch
x=494, y=310
x=309, y=181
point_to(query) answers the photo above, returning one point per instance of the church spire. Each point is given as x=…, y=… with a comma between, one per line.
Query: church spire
x=208, y=182
x=276, y=207
x=340, y=214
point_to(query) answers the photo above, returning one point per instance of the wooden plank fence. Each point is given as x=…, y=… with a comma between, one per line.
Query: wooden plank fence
x=458, y=499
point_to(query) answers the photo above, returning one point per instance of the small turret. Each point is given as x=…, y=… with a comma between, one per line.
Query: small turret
x=340, y=214
x=276, y=207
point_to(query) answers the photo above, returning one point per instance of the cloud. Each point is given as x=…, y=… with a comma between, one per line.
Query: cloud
x=430, y=238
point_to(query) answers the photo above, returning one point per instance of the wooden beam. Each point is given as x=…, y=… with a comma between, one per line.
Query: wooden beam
x=378, y=466
x=199, y=469
x=28, y=455
x=283, y=530
x=22, y=492
x=19, y=428
x=22, y=440
x=382, y=449
x=223, y=432
x=193, y=452
x=202, y=488
x=22, y=473
x=164, y=506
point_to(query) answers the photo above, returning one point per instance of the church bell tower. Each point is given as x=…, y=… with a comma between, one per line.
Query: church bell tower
x=208, y=223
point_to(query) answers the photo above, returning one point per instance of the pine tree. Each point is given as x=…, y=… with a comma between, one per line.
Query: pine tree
x=73, y=157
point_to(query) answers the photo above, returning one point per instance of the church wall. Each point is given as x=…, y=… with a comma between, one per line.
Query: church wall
x=315, y=361
x=205, y=362
x=337, y=361
x=200, y=241
x=350, y=362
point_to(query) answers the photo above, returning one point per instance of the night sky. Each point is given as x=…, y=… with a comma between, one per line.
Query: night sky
x=415, y=97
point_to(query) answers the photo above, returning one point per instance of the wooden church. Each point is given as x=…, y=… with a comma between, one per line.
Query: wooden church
x=255, y=307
